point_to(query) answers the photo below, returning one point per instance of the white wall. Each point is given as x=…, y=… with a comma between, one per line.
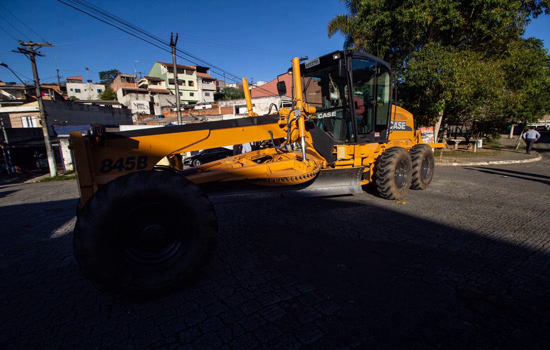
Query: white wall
x=85, y=91
x=260, y=105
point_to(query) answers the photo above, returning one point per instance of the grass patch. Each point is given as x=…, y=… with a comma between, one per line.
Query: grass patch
x=71, y=176
x=493, y=143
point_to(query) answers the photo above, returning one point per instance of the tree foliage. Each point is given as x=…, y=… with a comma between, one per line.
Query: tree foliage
x=231, y=93
x=108, y=95
x=106, y=77
x=463, y=60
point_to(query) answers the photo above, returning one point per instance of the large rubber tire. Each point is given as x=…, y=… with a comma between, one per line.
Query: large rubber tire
x=423, y=164
x=145, y=233
x=196, y=162
x=393, y=173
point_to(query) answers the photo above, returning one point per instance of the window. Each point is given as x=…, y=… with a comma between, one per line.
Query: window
x=371, y=94
x=181, y=93
x=71, y=89
x=206, y=94
x=326, y=90
x=29, y=122
x=77, y=90
x=191, y=83
x=191, y=94
x=99, y=91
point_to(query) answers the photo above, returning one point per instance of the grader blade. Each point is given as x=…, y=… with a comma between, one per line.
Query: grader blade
x=329, y=182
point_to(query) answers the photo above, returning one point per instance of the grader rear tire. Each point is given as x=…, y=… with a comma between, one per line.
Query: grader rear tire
x=393, y=173
x=423, y=164
x=145, y=233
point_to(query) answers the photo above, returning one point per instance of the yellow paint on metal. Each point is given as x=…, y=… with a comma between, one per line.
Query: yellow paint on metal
x=100, y=160
x=248, y=99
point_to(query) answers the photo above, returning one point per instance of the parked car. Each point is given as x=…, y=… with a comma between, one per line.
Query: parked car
x=208, y=155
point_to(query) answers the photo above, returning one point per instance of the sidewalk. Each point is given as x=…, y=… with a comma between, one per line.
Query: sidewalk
x=507, y=155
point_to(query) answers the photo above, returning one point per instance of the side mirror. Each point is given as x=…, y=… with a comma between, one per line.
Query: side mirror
x=281, y=88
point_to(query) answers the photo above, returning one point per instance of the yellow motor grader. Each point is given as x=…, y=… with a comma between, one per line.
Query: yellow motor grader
x=144, y=228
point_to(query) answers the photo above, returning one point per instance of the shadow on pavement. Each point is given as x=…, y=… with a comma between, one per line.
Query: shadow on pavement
x=6, y=193
x=317, y=273
x=514, y=174
x=510, y=172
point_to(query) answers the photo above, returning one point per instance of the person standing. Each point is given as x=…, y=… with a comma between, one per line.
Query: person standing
x=530, y=137
x=247, y=147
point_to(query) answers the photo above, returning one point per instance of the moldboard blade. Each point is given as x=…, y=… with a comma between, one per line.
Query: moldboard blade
x=329, y=182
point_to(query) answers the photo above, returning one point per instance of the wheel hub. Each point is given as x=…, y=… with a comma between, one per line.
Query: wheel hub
x=149, y=241
x=401, y=174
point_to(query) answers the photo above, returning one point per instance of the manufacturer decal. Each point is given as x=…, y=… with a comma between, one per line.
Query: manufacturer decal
x=326, y=115
x=400, y=126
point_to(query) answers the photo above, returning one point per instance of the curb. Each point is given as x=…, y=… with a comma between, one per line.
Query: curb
x=493, y=162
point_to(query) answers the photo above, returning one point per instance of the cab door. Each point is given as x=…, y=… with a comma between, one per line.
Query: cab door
x=371, y=96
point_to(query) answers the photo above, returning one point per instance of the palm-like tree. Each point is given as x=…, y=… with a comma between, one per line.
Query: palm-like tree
x=348, y=25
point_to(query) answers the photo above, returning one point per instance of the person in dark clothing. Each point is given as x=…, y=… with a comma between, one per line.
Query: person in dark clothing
x=530, y=137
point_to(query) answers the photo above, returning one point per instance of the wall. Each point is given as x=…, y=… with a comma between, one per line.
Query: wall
x=260, y=105
x=88, y=91
x=16, y=119
x=66, y=153
x=118, y=83
x=81, y=114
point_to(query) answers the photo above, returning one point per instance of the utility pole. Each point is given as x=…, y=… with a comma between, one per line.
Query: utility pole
x=28, y=49
x=176, y=82
x=58, y=80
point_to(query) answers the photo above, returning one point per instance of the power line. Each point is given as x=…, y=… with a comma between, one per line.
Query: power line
x=23, y=23
x=9, y=34
x=15, y=28
x=139, y=33
x=102, y=12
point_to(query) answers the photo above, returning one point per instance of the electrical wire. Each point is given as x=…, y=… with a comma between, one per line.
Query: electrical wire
x=9, y=34
x=139, y=33
x=23, y=23
x=143, y=32
x=15, y=28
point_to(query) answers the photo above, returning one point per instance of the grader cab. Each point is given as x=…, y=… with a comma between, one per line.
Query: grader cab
x=142, y=228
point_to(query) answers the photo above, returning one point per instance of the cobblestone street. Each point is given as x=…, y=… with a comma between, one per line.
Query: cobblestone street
x=464, y=264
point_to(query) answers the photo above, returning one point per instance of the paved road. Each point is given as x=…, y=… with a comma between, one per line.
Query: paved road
x=464, y=264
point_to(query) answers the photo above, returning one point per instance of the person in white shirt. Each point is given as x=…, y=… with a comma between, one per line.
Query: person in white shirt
x=247, y=147
x=530, y=137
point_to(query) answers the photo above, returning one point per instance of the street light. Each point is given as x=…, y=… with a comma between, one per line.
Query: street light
x=5, y=65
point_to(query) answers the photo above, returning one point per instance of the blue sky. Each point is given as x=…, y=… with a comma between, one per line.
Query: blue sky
x=252, y=38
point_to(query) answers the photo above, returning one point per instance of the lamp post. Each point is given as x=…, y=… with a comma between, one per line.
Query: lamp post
x=6, y=66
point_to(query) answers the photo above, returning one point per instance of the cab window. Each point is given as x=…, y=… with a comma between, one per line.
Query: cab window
x=371, y=97
x=327, y=92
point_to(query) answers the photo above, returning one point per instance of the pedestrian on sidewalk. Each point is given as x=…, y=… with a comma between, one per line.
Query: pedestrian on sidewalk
x=530, y=137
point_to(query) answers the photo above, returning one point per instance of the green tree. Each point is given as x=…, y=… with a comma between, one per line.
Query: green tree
x=106, y=77
x=231, y=93
x=455, y=60
x=108, y=95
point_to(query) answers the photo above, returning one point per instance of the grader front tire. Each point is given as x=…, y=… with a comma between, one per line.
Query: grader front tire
x=145, y=233
x=393, y=173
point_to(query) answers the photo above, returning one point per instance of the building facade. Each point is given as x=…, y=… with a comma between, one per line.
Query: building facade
x=124, y=80
x=161, y=98
x=207, y=85
x=83, y=91
x=187, y=80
